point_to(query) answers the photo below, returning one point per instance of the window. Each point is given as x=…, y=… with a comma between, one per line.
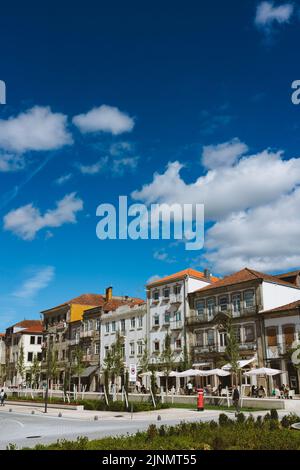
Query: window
x=63, y=354
x=156, y=346
x=39, y=340
x=236, y=304
x=167, y=318
x=289, y=335
x=113, y=326
x=106, y=349
x=210, y=337
x=223, y=339
x=140, y=322
x=178, y=316
x=272, y=336
x=132, y=349
x=199, y=339
x=156, y=295
x=29, y=357
x=178, y=344
x=98, y=324
x=140, y=348
x=132, y=323
x=200, y=308
x=32, y=339
x=122, y=324
x=223, y=303
x=39, y=356
x=106, y=327
x=88, y=351
x=177, y=290
x=156, y=320
x=249, y=333
x=166, y=293
x=97, y=348
x=211, y=307
x=123, y=350
x=249, y=298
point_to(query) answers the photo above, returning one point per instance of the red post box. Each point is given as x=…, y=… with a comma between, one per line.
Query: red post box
x=200, y=400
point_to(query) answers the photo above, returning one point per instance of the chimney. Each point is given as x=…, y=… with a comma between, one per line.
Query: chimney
x=108, y=293
x=206, y=273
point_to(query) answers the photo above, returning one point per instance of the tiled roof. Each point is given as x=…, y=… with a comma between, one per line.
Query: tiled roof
x=289, y=274
x=85, y=299
x=181, y=274
x=284, y=308
x=30, y=326
x=243, y=276
x=113, y=304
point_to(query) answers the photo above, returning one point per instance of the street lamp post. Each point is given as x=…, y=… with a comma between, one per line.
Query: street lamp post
x=47, y=379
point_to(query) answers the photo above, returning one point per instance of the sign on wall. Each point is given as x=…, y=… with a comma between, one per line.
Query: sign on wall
x=132, y=373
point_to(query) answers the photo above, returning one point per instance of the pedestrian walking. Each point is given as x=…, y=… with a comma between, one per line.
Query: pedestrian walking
x=236, y=398
x=3, y=396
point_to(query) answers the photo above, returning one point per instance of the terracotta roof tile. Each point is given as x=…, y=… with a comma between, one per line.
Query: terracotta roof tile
x=85, y=299
x=181, y=274
x=284, y=308
x=30, y=326
x=243, y=276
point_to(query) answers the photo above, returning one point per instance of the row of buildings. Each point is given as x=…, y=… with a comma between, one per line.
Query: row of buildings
x=189, y=305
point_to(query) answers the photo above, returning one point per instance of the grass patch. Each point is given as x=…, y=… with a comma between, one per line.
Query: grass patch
x=266, y=433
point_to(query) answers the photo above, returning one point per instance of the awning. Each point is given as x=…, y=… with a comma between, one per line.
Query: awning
x=263, y=371
x=242, y=363
x=88, y=371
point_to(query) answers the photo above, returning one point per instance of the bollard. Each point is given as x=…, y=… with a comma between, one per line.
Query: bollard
x=200, y=400
x=10, y=410
x=59, y=415
x=95, y=418
x=32, y=412
x=158, y=418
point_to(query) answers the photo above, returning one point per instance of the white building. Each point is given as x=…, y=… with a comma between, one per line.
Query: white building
x=168, y=307
x=24, y=337
x=282, y=329
x=130, y=322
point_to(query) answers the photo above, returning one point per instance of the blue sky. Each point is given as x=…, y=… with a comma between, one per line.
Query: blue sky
x=196, y=92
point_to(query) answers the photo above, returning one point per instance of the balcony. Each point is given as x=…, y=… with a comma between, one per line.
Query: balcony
x=206, y=349
x=74, y=341
x=249, y=346
x=176, y=299
x=60, y=326
x=176, y=325
x=87, y=334
x=196, y=320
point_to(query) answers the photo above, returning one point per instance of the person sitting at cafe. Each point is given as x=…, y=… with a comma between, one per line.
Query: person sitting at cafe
x=261, y=392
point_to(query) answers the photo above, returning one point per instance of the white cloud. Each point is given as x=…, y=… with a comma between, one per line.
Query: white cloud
x=253, y=181
x=94, y=168
x=104, y=119
x=10, y=162
x=253, y=205
x=120, y=165
x=40, y=279
x=264, y=238
x=63, y=179
x=225, y=154
x=153, y=278
x=27, y=220
x=37, y=129
x=267, y=15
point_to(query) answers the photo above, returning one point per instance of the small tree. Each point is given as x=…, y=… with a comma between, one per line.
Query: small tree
x=117, y=369
x=232, y=348
x=34, y=371
x=167, y=359
x=78, y=364
x=21, y=363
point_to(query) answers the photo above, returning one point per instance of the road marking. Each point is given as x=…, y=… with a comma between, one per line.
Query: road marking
x=14, y=421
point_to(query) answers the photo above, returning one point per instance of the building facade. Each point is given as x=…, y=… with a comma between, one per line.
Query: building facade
x=242, y=297
x=129, y=321
x=282, y=329
x=2, y=359
x=167, y=309
x=23, y=342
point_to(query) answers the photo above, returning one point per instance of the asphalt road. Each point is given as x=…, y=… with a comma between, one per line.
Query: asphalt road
x=26, y=430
